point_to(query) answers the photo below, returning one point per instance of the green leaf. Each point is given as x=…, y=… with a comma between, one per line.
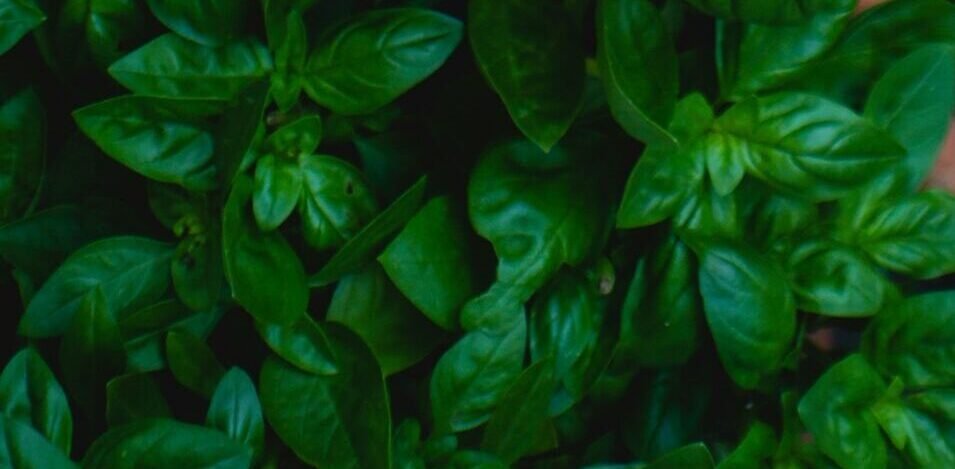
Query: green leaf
x=664, y=177
x=528, y=52
x=144, y=331
x=237, y=130
x=173, y=67
x=22, y=145
x=193, y=363
x=289, y=41
x=638, y=67
x=769, y=55
x=755, y=450
x=375, y=57
x=913, y=101
x=912, y=339
x=165, y=443
x=326, y=420
x=30, y=394
x=18, y=18
x=694, y=456
x=750, y=310
x=759, y=11
x=278, y=186
x=836, y=280
x=235, y=410
x=303, y=344
x=474, y=374
x=131, y=271
x=661, y=316
x=336, y=201
x=522, y=412
x=364, y=246
x=805, y=144
x=134, y=397
x=107, y=28
x=91, y=353
x=837, y=410
x=430, y=261
x=913, y=235
x=197, y=271
x=537, y=220
x=297, y=138
x=23, y=448
x=265, y=274
x=668, y=411
x=369, y=304
x=919, y=425
x=208, y=22
x=163, y=139
x=566, y=320
x=39, y=242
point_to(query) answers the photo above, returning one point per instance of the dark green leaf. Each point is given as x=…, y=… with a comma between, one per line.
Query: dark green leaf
x=364, y=246
x=193, y=363
x=370, y=305
x=325, y=419
x=170, y=66
x=18, y=18
x=144, y=331
x=750, y=310
x=377, y=56
x=30, y=394
x=303, y=344
x=278, y=186
x=336, y=201
x=837, y=410
x=22, y=144
x=165, y=443
x=527, y=50
x=131, y=271
x=430, y=261
x=134, y=397
x=208, y=22
x=638, y=66
x=162, y=139
x=522, y=412
x=266, y=276
x=835, y=280
x=22, y=447
x=235, y=410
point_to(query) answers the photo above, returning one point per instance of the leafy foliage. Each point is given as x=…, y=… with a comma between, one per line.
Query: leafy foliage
x=662, y=234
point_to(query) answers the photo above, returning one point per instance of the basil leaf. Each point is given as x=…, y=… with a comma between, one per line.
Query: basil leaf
x=19, y=18
x=522, y=412
x=758, y=11
x=22, y=447
x=162, y=139
x=769, y=55
x=377, y=56
x=362, y=247
x=297, y=138
x=913, y=101
x=430, y=263
x=170, y=66
x=131, y=272
x=836, y=281
x=322, y=418
x=474, y=374
x=527, y=52
x=336, y=201
x=537, y=220
x=750, y=310
x=804, y=144
x=910, y=339
x=91, y=353
x=639, y=68
x=566, y=320
x=278, y=186
x=208, y=22
x=193, y=363
x=369, y=304
x=165, y=443
x=134, y=397
x=837, y=412
x=913, y=235
x=144, y=331
x=22, y=135
x=661, y=317
x=265, y=274
x=303, y=344
x=30, y=394
x=235, y=410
